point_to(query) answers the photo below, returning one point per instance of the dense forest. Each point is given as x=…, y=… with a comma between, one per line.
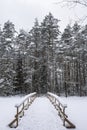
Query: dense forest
x=43, y=59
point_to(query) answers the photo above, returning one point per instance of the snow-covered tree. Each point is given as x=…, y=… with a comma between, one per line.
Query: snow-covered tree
x=19, y=77
x=49, y=37
x=36, y=56
x=7, y=41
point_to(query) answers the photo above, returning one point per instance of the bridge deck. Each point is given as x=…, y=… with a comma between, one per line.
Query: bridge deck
x=41, y=116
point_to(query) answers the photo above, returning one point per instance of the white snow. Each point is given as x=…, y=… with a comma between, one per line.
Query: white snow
x=57, y=97
x=28, y=80
x=41, y=115
x=77, y=111
x=1, y=80
x=8, y=39
x=24, y=98
x=7, y=111
x=1, y=86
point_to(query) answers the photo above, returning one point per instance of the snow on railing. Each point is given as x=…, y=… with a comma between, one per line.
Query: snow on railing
x=21, y=106
x=24, y=99
x=58, y=98
x=60, y=107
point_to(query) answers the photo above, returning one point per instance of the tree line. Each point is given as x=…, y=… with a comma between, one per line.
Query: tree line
x=43, y=59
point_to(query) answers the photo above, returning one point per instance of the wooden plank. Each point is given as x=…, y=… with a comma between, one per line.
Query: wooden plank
x=70, y=124
x=11, y=124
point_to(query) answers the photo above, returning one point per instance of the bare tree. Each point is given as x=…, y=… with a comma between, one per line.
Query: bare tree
x=74, y=2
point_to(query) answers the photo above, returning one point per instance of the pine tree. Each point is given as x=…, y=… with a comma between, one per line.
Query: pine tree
x=7, y=41
x=49, y=37
x=18, y=81
x=66, y=40
x=35, y=39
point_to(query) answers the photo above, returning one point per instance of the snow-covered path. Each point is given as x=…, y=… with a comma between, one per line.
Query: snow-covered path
x=41, y=116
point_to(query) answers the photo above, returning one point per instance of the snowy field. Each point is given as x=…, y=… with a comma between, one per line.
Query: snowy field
x=42, y=116
x=77, y=111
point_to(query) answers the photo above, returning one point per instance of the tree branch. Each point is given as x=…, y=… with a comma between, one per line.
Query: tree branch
x=73, y=2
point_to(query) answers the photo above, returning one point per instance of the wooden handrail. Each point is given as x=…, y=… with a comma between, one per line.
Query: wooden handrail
x=20, y=107
x=61, y=110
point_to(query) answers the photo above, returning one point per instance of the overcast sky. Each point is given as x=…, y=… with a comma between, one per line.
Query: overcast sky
x=23, y=12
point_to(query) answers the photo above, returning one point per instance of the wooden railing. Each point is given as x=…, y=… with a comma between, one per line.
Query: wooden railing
x=61, y=110
x=21, y=107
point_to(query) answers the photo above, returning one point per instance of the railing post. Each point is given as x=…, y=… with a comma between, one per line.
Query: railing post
x=17, y=116
x=64, y=114
x=23, y=108
x=28, y=103
x=59, y=108
x=55, y=101
x=65, y=106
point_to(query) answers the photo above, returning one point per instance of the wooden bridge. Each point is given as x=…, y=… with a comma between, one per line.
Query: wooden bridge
x=29, y=99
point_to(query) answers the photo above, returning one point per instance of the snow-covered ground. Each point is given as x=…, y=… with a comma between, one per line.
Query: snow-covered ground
x=77, y=111
x=41, y=115
x=7, y=111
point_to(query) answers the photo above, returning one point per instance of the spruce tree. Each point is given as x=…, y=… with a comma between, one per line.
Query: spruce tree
x=7, y=41
x=18, y=80
x=36, y=56
x=49, y=38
